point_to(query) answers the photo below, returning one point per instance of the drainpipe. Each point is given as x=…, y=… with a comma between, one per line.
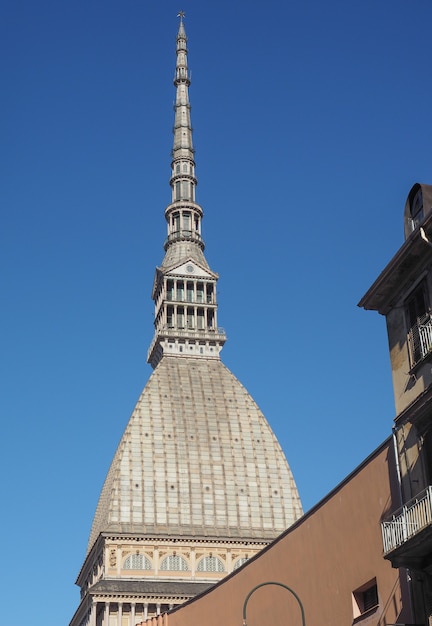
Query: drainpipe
x=398, y=472
x=399, y=478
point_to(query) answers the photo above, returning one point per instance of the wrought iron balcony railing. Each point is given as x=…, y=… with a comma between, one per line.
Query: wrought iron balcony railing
x=425, y=331
x=408, y=521
x=420, y=339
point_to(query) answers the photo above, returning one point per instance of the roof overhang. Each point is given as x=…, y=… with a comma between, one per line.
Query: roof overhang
x=403, y=267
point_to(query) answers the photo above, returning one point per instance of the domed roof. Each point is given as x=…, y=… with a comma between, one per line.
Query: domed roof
x=198, y=459
x=181, y=250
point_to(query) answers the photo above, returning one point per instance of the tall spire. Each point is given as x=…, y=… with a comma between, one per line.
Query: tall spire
x=184, y=289
x=183, y=214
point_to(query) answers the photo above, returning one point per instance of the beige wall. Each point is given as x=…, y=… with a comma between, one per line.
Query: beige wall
x=407, y=387
x=332, y=551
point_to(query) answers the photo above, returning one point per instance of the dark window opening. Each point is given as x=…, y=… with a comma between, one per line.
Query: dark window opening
x=365, y=598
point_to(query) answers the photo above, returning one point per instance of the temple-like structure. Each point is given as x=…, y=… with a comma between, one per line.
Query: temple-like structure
x=199, y=483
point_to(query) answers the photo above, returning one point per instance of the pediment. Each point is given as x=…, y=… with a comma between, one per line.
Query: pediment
x=190, y=268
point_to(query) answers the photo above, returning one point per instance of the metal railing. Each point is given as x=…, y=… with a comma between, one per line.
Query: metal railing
x=425, y=332
x=420, y=339
x=408, y=521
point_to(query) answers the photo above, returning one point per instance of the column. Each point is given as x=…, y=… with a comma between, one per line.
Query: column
x=119, y=614
x=93, y=614
x=105, y=621
x=119, y=560
x=132, y=614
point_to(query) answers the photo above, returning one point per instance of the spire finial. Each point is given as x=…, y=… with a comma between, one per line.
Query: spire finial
x=181, y=30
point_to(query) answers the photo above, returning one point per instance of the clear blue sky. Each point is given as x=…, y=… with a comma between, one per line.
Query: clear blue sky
x=312, y=121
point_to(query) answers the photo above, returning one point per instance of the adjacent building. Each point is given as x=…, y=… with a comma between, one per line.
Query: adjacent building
x=403, y=293
x=199, y=483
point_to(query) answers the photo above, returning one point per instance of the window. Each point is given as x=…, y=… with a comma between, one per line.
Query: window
x=176, y=222
x=190, y=292
x=210, y=564
x=180, y=317
x=180, y=290
x=170, y=317
x=200, y=319
x=365, y=598
x=170, y=290
x=186, y=221
x=185, y=190
x=190, y=318
x=419, y=325
x=239, y=562
x=174, y=563
x=417, y=213
x=137, y=561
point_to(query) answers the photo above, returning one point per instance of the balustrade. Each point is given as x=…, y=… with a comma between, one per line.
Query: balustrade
x=408, y=521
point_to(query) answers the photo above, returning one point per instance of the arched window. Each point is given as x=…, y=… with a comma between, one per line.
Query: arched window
x=417, y=208
x=210, y=564
x=239, y=562
x=137, y=561
x=174, y=563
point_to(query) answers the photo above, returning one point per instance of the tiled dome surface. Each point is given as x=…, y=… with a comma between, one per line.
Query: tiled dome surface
x=197, y=459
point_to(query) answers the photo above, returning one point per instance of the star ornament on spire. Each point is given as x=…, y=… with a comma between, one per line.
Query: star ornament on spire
x=181, y=15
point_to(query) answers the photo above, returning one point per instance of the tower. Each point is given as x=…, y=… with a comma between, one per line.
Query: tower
x=184, y=288
x=198, y=483
x=403, y=294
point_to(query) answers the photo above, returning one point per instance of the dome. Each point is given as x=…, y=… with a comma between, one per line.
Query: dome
x=197, y=459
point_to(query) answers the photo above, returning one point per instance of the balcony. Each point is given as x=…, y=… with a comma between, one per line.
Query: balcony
x=194, y=333
x=204, y=334
x=425, y=332
x=180, y=297
x=183, y=235
x=407, y=534
x=420, y=339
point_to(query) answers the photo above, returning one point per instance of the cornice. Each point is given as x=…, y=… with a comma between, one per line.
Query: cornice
x=386, y=289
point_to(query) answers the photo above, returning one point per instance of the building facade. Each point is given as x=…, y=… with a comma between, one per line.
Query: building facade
x=403, y=294
x=199, y=483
